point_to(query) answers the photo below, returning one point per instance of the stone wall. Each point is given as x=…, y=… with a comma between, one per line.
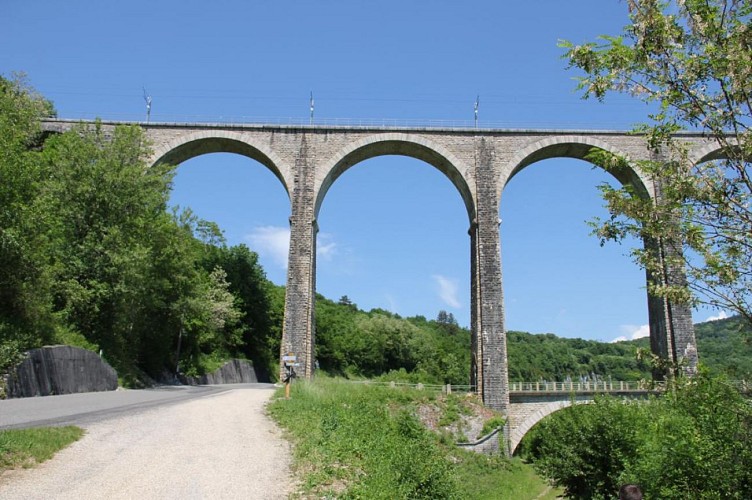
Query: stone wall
x=60, y=370
x=488, y=444
x=236, y=371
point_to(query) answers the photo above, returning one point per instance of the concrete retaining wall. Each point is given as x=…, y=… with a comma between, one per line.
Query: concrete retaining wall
x=60, y=370
x=488, y=444
x=236, y=371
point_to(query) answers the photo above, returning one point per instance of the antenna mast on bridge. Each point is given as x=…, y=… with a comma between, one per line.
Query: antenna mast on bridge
x=311, y=120
x=477, y=103
x=147, y=99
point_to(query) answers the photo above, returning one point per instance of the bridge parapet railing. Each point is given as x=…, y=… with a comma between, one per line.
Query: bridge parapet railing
x=586, y=386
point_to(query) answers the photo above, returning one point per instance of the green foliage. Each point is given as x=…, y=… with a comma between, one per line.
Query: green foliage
x=364, y=441
x=257, y=339
x=585, y=448
x=698, y=443
x=493, y=423
x=548, y=357
x=416, y=350
x=725, y=347
x=378, y=343
x=484, y=477
x=28, y=447
x=90, y=256
x=360, y=442
x=694, y=442
x=25, y=313
x=691, y=62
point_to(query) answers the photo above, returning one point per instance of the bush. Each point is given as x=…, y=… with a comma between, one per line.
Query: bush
x=586, y=448
x=694, y=442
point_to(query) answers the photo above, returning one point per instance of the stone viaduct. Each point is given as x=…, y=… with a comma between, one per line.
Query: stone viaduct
x=307, y=160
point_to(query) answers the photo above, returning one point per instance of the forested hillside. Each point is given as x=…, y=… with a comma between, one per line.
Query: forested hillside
x=725, y=346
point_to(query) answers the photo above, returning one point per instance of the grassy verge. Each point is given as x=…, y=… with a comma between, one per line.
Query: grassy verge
x=28, y=447
x=360, y=441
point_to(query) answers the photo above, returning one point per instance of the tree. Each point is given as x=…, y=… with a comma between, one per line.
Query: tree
x=101, y=204
x=586, y=448
x=691, y=61
x=248, y=283
x=26, y=319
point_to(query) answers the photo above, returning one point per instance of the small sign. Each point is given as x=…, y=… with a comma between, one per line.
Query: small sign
x=289, y=358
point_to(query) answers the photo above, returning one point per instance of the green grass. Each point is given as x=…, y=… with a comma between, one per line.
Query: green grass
x=28, y=447
x=361, y=441
x=496, y=478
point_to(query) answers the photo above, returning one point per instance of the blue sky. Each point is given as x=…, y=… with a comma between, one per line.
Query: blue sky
x=393, y=231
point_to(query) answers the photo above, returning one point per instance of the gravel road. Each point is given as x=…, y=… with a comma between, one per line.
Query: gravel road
x=219, y=446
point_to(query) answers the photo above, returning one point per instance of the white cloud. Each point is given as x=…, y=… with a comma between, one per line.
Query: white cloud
x=273, y=242
x=447, y=291
x=392, y=303
x=326, y=249
x=632, y=332
x=720, y=315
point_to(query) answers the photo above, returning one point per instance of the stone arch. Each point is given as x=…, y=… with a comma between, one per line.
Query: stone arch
x=200, y=143
x=402, y=144
x=708, y=152
x=571, y=146
x=518, y=431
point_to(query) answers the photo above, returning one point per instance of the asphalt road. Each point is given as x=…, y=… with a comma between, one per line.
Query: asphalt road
x=85, y=408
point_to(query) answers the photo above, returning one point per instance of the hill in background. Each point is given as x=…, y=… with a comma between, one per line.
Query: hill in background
x=724, y=346
x=381, y=344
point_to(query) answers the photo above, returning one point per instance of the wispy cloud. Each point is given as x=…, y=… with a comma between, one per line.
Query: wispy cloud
x=326, y=248
x=632, y=332
x=720, y=315
x=392, y=303
x=273, y=242
x=447, y=290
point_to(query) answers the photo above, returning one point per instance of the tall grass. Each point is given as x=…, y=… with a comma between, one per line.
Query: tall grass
x=28, y=447
x=361, y=441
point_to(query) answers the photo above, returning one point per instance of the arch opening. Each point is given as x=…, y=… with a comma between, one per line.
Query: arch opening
x=396, y=244
x=250, y=207
x=579, y=149
x=386, y=145
x=243, y=199
x=194, y=146
x=557, y=277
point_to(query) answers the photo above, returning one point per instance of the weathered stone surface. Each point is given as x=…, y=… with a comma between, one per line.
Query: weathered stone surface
x=60, y=370
x=488, y=444
x=235, y=371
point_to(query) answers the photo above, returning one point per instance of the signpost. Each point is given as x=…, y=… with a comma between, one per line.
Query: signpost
x=290, y=363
